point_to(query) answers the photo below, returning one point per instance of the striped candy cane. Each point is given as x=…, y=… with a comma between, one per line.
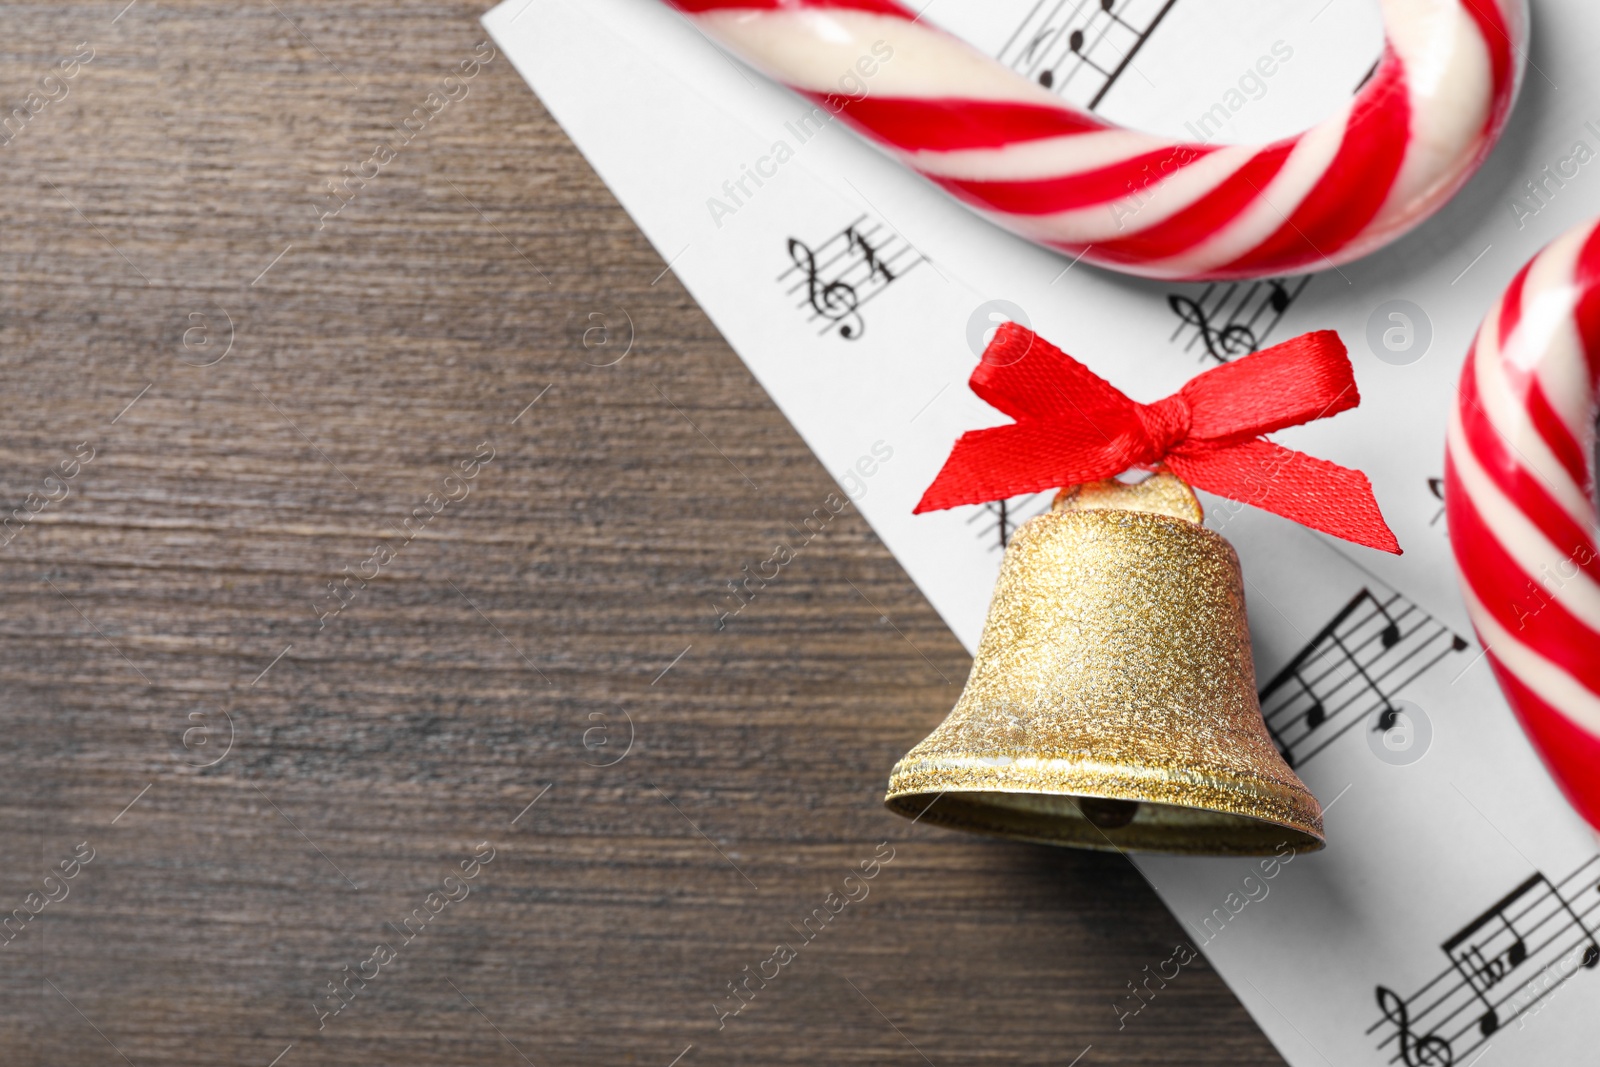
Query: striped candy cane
x=1519, y=489
x=1148, y=205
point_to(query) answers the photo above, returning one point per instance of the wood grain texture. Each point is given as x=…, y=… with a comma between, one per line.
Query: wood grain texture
x=176, y=587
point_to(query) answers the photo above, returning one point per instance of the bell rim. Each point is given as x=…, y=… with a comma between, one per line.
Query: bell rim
x=1298, y=813
x=1299, y=839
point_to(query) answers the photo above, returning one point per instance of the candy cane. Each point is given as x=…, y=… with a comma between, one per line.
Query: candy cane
x=1519, y=490
x=1017, y=153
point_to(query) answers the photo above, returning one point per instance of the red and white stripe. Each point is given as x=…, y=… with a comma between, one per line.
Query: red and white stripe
x=1148, y=205
x=1519, y=490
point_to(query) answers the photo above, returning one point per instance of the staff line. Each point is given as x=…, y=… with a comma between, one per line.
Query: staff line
x=1559, y=904
x=1387, y=673
x=1403, y=638
x=1350, y=655
x=844, y=276
x=881, y=260
x=1386, y=701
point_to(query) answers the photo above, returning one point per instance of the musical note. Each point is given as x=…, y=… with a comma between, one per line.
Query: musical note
x=869, y=256
x=1483, y=972
x=1430, y=1051
x=1080, y=50
x=1533, y=931
x=1389, y=636
x=1004, y=532
x=1008, y=515
x=1357, y=664
x=1233, y=319
x=836, y=278
x=1316, y=714
x=1279, y=298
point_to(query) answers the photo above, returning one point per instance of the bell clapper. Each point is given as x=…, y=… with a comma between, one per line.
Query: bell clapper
x=1108, y=814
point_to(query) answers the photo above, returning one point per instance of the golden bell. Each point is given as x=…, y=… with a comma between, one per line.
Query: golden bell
x=1112, y=703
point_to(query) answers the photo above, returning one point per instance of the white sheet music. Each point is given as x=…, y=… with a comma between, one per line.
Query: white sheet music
x=859, y=296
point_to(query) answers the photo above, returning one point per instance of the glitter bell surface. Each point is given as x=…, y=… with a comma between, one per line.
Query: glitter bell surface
x=1112, y=703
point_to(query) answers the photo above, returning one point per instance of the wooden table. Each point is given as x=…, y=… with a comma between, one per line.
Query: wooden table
x=280, y=666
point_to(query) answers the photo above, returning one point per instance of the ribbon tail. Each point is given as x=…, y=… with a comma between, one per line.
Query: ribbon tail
x=1024, y=457
x=1305, y=489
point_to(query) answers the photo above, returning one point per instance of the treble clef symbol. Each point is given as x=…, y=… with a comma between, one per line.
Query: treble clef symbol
x=1430, y=1051
x=1235, y=339
x=835, y=301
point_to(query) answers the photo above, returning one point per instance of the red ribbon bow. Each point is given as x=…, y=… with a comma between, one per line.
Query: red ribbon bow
x=1073, y=427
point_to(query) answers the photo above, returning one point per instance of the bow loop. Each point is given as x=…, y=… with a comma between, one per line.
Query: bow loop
x=1300, y=380
x=1024, y=376
x=1072, y=427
